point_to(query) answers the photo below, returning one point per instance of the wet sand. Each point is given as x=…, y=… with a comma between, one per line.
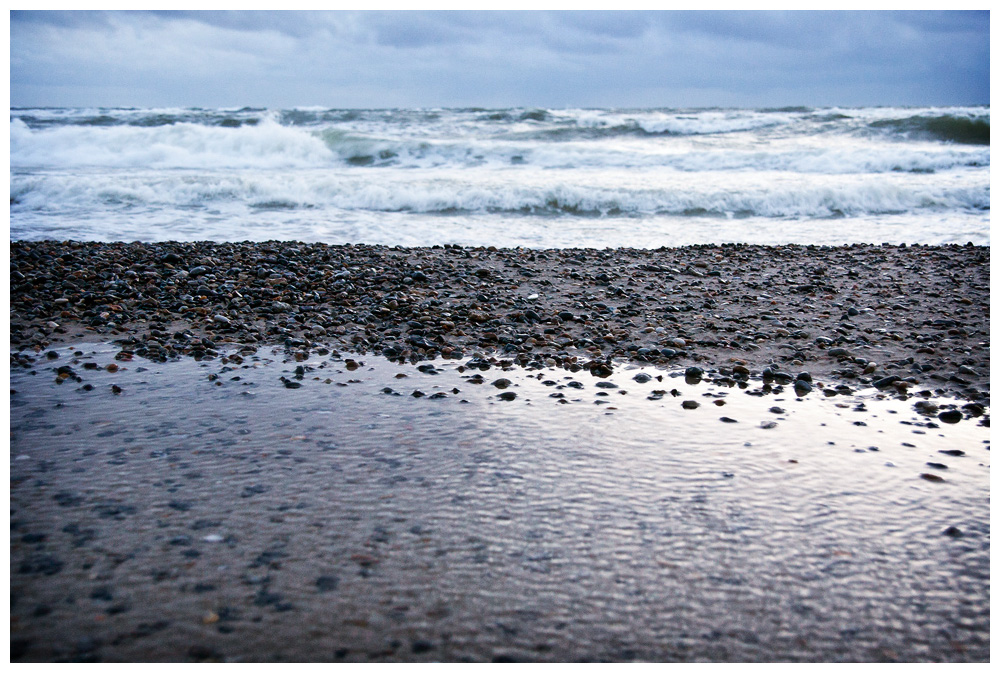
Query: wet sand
x=340, y=508
x=291, y=452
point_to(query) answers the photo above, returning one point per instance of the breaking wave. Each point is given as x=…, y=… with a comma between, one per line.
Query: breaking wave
x=319, y=190
x=267, y=144
x=945, y=127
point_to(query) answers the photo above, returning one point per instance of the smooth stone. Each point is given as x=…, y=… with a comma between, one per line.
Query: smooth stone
x=950, y=416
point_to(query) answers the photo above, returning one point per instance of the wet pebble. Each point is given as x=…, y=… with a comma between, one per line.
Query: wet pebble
x=950, y=416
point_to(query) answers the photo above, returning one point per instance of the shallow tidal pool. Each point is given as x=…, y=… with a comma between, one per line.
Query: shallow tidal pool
x=337, y=509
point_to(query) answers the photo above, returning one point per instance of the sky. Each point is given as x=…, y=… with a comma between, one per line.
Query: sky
x=498, y=59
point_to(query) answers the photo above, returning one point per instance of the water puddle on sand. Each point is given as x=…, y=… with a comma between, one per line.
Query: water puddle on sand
x=369, y=510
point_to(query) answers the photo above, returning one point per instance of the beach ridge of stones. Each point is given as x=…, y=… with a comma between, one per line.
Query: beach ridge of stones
x=890, y=317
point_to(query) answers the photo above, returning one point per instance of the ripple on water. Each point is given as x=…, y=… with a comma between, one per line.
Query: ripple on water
x=635, y=528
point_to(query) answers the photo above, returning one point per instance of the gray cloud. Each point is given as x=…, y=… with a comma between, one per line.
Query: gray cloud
x=552, y=59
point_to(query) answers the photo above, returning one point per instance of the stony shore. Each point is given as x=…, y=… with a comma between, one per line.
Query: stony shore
x=895, y=317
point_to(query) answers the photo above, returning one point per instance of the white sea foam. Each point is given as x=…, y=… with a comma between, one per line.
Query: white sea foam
x=194, y=173
x=182, y=145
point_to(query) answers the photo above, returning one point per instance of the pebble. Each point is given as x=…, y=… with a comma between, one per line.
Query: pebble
x=951, y=416
x=694, y=373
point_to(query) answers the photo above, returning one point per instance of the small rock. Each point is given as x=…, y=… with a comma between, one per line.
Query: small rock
x=325, y=583
x=950, y=416
x=694, y=373
x=886, y=382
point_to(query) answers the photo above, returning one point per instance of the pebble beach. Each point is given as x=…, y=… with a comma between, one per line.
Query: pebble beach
x=284, y=451
x=465, y=337
x=859, y=315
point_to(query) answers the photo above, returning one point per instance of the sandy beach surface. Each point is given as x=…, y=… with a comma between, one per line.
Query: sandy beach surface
x=297, y=452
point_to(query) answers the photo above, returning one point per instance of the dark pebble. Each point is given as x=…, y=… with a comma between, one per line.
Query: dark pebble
x=40, y=564
x=326, y=583
x=727, y=419
x=694, y=373
x=950, y=416
x=508, y=396
x=886, y=382
x=101, y=594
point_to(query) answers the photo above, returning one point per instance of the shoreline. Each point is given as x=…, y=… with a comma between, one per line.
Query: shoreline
x=860, y=315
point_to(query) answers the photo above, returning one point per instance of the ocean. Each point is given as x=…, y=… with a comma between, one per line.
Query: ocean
x=537, y=178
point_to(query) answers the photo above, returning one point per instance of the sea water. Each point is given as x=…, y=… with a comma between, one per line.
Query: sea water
x=511, y=177
x=380, y=510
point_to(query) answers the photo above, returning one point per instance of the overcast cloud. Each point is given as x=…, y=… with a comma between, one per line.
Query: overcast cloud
x=498, y=59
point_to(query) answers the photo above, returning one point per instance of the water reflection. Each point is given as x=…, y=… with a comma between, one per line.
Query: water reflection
x=583, y=519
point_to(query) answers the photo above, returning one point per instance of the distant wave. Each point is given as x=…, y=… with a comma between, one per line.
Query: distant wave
x=269, y=144
x=945, y=127
x=180, y=145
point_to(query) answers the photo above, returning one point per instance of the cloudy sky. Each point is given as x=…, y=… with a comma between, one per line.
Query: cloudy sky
x=498, y=59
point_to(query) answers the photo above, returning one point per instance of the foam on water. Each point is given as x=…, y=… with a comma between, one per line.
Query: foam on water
x=101, y=173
